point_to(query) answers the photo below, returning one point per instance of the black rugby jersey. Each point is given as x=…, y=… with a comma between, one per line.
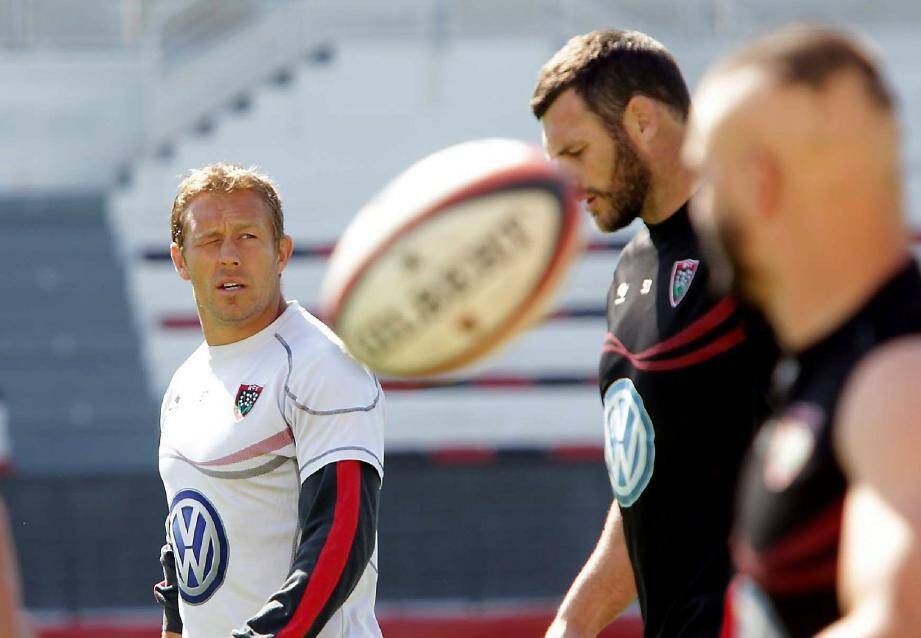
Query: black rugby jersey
x=683, y=380
x=792, y=489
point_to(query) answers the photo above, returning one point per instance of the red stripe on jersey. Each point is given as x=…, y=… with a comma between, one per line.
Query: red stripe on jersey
x=817, y=535
x=805, y=560
x=331, y=562
x=266, y=445
x=712, y=349
x=696, y=329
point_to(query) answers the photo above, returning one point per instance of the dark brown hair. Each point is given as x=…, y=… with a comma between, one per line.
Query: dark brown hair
x=809, y=56
x=606, y=69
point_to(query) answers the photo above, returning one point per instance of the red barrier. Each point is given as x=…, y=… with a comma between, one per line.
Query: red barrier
x=518, y=626
x=526, y=624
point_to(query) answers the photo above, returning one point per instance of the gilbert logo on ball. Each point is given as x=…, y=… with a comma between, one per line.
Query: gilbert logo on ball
x=454, y=257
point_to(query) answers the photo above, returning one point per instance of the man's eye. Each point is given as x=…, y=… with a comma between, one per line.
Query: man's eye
x=248, y=236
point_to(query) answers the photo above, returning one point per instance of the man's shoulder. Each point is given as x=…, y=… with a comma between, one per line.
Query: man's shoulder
x=639, y=249
x=192, y=366
x=307, y=334
x=319, y=361
x=639, y=243
x=882, y=391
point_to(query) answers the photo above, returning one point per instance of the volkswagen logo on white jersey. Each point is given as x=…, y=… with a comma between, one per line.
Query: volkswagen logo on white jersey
x=199, y=546
x=629, y=441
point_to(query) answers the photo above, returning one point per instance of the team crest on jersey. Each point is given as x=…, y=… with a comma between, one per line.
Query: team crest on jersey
x=682, y=275
x=200, y=546
x=789, y=444
x=629, y=442
x=247, y=396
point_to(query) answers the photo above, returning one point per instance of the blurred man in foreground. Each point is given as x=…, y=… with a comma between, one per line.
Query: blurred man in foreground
x=797, y=141
x=682, y=372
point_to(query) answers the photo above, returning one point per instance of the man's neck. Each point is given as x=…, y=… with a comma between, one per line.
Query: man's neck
x=667, y=196
x=225, y=334
x=813, y=307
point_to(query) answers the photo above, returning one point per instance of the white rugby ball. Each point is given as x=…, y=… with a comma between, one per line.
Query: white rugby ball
x=454, y=257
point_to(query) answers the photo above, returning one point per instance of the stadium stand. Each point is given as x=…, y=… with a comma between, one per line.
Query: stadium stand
x=71, y=368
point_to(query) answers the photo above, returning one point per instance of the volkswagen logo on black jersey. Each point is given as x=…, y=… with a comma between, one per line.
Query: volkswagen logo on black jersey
x=199, y=546
x=629, y=441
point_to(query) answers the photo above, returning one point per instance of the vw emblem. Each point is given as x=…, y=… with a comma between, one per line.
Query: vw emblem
x=199, y=546
x=629, y=441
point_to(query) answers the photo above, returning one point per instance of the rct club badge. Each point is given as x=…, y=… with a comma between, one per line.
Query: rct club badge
x=788, y=444
x=682, y=275
x=247, y=396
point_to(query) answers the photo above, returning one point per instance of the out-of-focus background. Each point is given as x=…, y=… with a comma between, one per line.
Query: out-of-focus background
x=496, y=489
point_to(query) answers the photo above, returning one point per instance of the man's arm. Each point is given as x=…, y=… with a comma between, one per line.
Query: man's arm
x=602, y=590
x=338, y=514
x=879, y=444
x=166, y=593
x=13, y=623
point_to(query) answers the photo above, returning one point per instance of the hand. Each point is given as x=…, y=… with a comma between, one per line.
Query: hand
x=559, y=629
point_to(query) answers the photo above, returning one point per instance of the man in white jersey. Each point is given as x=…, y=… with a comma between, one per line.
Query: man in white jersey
x=271, y=441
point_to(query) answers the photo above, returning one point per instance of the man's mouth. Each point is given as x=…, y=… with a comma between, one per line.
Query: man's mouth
x=230, y=286
x=590, y=202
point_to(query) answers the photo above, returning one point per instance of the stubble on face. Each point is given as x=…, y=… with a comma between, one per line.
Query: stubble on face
x=624, y=198
x=720, y=241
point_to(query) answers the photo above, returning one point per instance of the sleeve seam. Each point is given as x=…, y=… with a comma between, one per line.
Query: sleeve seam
x=315, y=412
x=353, y=448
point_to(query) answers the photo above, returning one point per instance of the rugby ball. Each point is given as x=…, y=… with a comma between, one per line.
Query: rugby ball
x=452, y=258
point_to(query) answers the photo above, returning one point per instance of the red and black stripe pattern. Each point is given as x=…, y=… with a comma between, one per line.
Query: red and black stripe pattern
x=712, y=334
x=338, y=513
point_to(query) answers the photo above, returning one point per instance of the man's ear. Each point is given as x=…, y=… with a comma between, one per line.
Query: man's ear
x=641, y=121
x=175, y=252
x=285, y=248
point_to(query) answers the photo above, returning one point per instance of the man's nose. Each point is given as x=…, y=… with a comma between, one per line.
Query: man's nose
x=229, y=255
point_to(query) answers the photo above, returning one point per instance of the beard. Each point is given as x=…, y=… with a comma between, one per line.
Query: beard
x=721, y=243
x=627, y=188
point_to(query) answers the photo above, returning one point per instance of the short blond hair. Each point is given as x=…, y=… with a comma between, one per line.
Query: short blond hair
x=225, y=178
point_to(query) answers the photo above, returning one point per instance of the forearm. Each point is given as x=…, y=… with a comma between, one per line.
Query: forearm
x=604, y=587
x=338, y=511
x=166, y=593
x=12, y=620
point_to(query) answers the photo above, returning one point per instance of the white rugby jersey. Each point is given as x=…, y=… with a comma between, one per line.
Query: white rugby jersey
x=242, y=425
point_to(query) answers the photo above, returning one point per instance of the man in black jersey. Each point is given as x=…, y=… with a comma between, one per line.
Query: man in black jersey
x=797, y=139
x=681, y=374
